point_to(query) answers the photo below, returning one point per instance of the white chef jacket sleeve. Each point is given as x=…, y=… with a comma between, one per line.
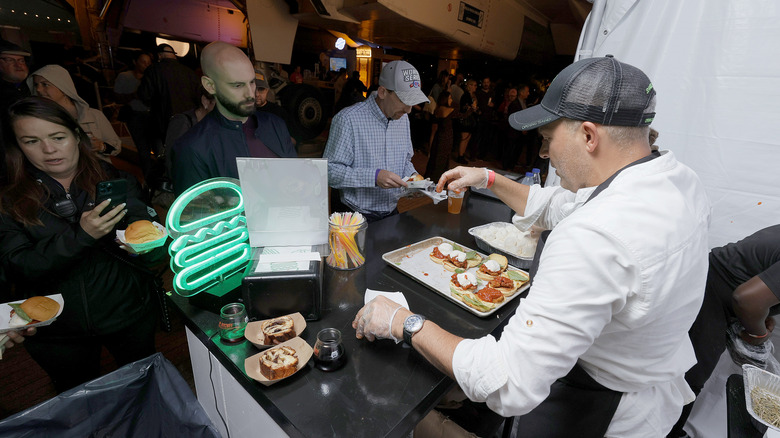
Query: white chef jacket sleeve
x=575, y=293
x=546, y=206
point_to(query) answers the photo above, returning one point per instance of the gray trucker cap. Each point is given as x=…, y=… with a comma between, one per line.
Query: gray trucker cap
x=600, y=90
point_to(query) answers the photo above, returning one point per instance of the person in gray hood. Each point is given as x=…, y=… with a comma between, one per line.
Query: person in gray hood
x=54, y=82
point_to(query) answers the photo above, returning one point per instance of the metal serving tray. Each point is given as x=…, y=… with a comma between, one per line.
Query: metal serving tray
x=514, y=259
x=414, y=261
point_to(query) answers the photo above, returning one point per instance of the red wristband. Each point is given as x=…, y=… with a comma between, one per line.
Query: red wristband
x=757, y=336
x=491, y=178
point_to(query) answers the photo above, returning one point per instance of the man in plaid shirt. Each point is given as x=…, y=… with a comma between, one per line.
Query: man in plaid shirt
x=369, y=149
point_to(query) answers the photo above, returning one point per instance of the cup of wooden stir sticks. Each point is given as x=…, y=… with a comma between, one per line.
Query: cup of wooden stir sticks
x=346, y=240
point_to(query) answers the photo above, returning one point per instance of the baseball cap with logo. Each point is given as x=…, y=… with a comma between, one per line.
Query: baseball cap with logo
x=260, y=81
x=402, y=78
x=600, y=90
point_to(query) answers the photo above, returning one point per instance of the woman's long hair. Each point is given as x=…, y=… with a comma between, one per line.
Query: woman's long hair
x=23, y=197
x=443, y=99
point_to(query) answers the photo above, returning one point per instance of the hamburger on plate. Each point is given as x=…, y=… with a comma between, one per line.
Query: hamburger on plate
x=32, y=311
x=141, y=232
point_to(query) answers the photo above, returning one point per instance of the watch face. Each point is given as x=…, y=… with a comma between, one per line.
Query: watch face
x=414, y=323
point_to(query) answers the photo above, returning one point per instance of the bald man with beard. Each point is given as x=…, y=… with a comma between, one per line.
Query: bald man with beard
x=209, y=149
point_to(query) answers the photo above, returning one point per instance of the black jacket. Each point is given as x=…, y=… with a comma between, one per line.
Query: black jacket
x=102, y=292
x=209, y=149
x=168, y=87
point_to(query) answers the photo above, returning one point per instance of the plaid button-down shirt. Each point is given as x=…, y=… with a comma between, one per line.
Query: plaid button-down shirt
x=362, y=140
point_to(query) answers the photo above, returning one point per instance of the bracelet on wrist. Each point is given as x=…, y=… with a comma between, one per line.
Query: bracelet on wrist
x=757, y=336
x=491, y=178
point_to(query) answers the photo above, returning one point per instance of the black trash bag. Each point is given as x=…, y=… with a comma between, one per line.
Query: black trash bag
x=147, y=398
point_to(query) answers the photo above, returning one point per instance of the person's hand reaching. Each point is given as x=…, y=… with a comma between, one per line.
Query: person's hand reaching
x=389, y=180
x=375, y=319
x=459, y=178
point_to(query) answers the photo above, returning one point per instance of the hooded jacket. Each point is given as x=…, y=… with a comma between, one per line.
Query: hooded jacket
x=104, y=289
x=92, y=121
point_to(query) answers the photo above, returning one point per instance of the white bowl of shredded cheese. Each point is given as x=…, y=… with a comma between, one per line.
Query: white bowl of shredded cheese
x=504, y=238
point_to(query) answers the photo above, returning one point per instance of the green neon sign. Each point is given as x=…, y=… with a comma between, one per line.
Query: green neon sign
x=210, y=248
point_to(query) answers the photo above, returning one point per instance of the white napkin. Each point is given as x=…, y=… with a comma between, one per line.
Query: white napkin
x=397, y=297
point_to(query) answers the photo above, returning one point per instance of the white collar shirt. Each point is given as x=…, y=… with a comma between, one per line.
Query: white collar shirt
x=620, y=282
x=361, y=141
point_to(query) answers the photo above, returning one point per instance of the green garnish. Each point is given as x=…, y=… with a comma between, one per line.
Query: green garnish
x=472, y=299
x=476, y=302
x=18, y=309
x=516, y=276
x=471, y=255
x=459, y=270
x=456, y=247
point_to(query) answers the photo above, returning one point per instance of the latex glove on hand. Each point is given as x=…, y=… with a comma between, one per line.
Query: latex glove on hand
x=752, y=340
x=460, y=178
x=375, y=319
x=745, y=353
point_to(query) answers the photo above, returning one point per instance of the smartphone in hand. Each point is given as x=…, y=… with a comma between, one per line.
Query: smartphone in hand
x=116, y=190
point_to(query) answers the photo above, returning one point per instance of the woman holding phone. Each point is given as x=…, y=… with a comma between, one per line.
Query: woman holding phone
x=53, y=239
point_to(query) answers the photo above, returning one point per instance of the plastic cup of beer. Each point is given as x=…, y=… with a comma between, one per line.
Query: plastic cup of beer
x=454, y=201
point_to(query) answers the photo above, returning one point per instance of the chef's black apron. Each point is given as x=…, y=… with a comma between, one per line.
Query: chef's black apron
x=577, y=406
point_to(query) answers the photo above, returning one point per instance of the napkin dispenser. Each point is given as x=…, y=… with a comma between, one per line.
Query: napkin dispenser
x=268, y=294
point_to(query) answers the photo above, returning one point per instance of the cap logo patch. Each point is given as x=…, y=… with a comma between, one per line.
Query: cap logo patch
x=414, y=84
x=410, y=75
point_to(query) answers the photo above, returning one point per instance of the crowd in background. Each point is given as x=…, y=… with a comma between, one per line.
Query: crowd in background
x=55, y=117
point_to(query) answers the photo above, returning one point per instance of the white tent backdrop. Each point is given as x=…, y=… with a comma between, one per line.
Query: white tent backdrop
x=715, y=65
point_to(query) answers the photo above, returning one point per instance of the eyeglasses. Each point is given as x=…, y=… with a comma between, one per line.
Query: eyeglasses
x=18, y=61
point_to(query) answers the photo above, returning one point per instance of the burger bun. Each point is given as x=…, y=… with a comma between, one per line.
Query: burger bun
x=40, y=308
x=141, y=232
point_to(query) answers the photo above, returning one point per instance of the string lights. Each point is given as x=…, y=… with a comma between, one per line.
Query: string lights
x=48, y=17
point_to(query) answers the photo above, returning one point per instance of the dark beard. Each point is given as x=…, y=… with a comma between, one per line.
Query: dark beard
x=235, y=108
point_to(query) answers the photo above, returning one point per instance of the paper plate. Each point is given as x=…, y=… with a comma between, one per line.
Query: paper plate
x=418, y=184
x=254, y=333
x=5, y=315
x=303, y=352
x=146, y=246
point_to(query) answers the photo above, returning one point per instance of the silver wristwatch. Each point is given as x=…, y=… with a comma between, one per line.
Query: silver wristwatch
x=412, y=325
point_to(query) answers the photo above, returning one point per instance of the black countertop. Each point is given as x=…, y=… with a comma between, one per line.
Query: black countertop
x=740, y=424
x=384, y=389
